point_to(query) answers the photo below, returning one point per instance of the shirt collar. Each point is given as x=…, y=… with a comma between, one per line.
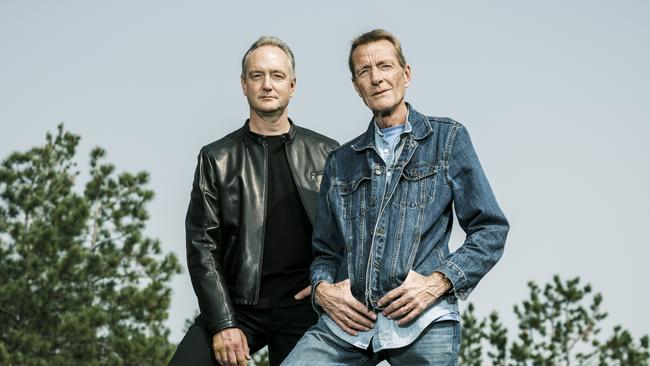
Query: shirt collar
x=407, y=126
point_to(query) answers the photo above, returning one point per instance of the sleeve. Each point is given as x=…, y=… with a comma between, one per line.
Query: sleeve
x=478, y=213
x=327, y=241
x=205, y=249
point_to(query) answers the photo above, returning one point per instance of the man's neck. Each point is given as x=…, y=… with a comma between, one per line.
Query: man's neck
x=393, y=117
x=269, y=125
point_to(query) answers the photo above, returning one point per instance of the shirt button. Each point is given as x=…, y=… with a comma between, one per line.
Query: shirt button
x=378, y=171
x=380, y=231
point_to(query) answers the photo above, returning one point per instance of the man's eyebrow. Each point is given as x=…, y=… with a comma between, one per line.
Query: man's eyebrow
x=274, y=71
x=363, y=67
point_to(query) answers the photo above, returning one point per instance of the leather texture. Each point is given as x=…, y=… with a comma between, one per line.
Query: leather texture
x=226, y=215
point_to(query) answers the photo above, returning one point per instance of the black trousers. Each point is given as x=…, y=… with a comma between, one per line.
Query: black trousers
x=279, y=329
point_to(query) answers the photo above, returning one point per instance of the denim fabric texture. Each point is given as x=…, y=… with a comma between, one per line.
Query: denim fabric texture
x=375, y=233
x=386, y=333
x=438, y=345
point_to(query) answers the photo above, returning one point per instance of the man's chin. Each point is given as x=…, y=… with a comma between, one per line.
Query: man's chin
x=382, y=110
x=269, y=110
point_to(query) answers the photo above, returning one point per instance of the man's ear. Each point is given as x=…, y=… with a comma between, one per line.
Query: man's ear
x=293, y=86
x=407, y=75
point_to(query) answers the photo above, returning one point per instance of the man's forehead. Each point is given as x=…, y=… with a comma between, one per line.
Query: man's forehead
x=268, y=56
x=379, y=51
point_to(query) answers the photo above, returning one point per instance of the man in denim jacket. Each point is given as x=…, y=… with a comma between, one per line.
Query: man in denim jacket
x=383, y=272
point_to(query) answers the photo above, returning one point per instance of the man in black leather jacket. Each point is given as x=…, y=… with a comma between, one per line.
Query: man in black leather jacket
x=249, y=223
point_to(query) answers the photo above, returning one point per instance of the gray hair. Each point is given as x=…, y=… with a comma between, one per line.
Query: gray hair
x=268, y=41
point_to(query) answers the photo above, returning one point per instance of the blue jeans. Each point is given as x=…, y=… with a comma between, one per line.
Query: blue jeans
x=438, y=345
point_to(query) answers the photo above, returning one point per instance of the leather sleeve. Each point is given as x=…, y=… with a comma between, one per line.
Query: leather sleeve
x=205, y=250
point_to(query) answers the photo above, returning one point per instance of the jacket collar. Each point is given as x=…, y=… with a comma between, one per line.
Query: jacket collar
x=421, y=128
x=261, y=139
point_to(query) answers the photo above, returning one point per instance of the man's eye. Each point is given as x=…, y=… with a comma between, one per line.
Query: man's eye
x=277, y=76
x=386, y=67
x=362, y=72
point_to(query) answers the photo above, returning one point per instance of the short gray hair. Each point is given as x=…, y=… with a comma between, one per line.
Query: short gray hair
x=268, y=41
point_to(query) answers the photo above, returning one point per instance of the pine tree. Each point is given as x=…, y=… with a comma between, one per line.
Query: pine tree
x=559, y=325
x=81, y=283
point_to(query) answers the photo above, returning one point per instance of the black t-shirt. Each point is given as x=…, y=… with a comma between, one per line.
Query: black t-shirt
x=287, y=233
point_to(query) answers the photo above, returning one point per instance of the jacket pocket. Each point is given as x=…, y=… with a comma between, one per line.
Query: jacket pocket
x=417, y=184
x=354, y=195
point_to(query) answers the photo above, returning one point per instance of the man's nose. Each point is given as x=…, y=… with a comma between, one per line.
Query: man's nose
x=375, y=76
x=267, y=82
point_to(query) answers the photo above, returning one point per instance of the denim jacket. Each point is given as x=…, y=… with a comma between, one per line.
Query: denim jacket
x=376, y=242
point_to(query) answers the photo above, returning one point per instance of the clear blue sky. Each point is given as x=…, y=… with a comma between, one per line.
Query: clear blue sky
x=556, y=96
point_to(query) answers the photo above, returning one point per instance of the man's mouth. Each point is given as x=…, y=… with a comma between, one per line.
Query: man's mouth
x=380, y=92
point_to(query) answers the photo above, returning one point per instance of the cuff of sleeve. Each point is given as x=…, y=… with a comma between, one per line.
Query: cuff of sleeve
x=457, y=278
x=319, y=309
x=319, y=275
x=217, y=327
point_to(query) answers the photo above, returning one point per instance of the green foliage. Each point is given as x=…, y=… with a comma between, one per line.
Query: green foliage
x=471, y=348
x=81, y=282
x=260, y=358
x=558, y=325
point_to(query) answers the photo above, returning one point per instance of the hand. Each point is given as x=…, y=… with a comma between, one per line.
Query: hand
x=303, y=293
x=349, y=313
x=414, y=295
x=230, y=347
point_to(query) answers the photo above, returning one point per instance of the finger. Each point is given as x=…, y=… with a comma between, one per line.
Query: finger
x=410, y=316
x=361, y=308
x=393, y=307
x=237, y=347
x=222, y=356
x=342, y=323
x=241, y=359
x=244, y=342
x=391, y=296
x=217, y=356
x=232, y=357
x=359, y=321
x=303, y=293
x=218, y=349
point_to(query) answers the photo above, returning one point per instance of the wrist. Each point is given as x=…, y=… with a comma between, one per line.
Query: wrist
x=319, y=288
x=442, y=281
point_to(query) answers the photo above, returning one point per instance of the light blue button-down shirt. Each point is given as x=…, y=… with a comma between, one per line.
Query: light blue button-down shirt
x=387, y=333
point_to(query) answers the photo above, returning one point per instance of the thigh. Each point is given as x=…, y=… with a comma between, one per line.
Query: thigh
x=286, y=327
x=438, y=345
x=195, y=348
x=254, y=323
x=320, y=347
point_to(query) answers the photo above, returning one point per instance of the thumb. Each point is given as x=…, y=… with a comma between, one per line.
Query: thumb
x=303, y=293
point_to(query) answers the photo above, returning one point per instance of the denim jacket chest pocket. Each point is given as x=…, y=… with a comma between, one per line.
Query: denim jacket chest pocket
x=417, y=184
x=354, y=195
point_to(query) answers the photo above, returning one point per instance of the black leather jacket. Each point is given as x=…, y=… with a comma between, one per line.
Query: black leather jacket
x=225, y=219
